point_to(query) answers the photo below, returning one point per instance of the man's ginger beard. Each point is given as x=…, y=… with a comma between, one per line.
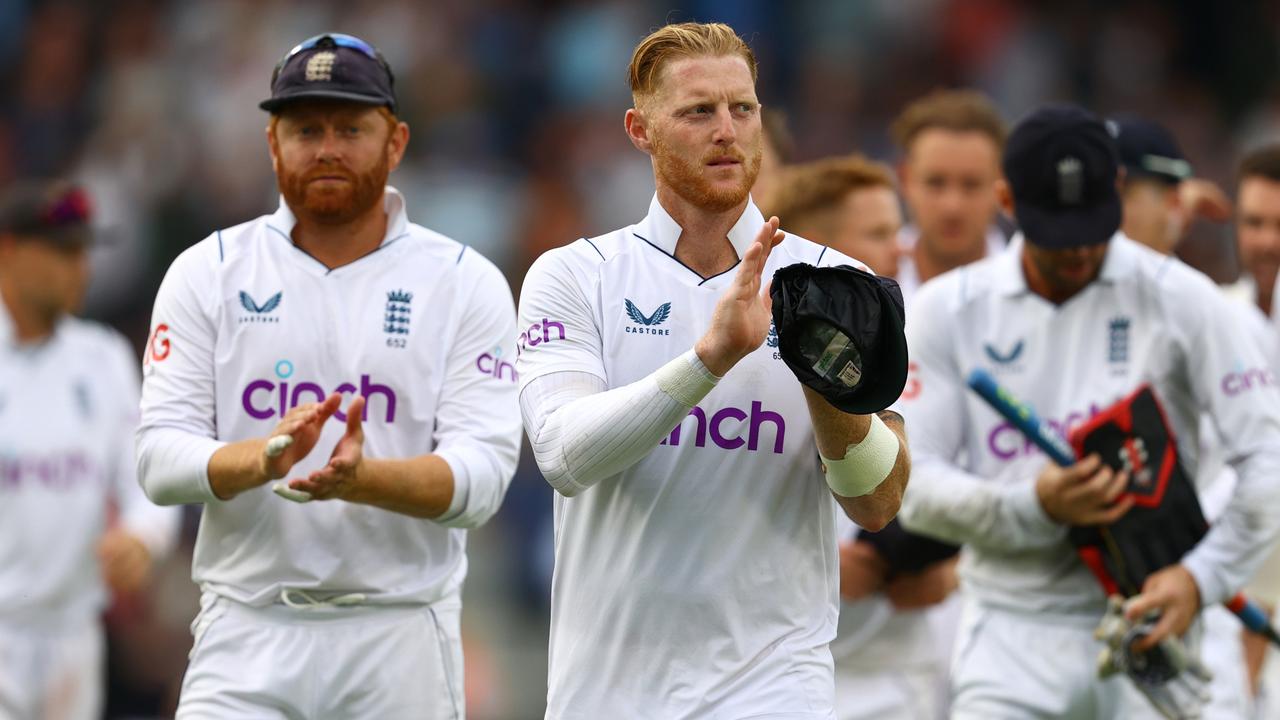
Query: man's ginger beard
x=333, y=206
x=686, y=178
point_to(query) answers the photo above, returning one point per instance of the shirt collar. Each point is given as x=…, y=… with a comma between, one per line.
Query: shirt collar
x=662, y=231
x=1011, y=280
x=283, y=218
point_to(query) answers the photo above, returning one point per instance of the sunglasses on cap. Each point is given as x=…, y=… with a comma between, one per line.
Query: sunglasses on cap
x=332, y=40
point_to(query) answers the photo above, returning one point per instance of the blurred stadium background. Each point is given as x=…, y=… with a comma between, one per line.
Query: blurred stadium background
x=516, y=112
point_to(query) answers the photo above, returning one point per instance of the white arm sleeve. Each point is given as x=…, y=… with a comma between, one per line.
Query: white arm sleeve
x=943, y=499
x=1232, y=378
x=156, y=527
x=477, y=421
x=582, y=434
x=176, y=434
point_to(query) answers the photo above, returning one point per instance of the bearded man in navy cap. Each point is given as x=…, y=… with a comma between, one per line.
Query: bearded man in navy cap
x=365, y=363
x=1071, y=318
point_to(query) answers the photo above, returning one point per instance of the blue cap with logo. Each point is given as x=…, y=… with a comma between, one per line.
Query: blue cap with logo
x=1148, y=149
x=332, y=66
x=1061, y=165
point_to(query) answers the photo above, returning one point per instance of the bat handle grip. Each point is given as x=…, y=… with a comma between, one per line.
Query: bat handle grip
x=1252, y=616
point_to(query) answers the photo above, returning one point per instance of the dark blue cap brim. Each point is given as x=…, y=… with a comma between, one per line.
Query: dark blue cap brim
x=1061, y=229
x=274, y=104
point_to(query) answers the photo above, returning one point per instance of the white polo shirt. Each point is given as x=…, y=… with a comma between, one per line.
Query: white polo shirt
x=247, y=325
x=68, y=409
x=702, y=581
x=1146, y=319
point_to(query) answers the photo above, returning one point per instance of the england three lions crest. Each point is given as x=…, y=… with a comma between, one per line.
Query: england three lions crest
x=396, y=319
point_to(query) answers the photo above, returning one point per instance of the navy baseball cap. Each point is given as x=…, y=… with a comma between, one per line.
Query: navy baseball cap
x=332, y=66
x=49, y=210
x=1147, y=149
x=1061, y=165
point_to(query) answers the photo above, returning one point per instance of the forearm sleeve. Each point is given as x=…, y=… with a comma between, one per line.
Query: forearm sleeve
x=950, y=504
x=582, y=434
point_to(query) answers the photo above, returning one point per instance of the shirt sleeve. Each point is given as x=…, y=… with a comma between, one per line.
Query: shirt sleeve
x=1232, y=378
x=558, y=330
x=156, y=527
x=943, y=499
x=478, y=418
x=176, y=434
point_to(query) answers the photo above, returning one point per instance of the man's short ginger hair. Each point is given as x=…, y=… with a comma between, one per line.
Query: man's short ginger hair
x=678, y=41
x=808, y=190
x=955, y=110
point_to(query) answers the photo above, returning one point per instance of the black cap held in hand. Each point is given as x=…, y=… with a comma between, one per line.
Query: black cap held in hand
x=1061, y=165
x=332, y=67
x=841, y=331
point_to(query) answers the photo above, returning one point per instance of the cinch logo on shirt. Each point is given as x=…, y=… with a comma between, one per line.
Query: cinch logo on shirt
x=644, y=324
x=713, y=427
x=264, y=399
x=539, y=333
x=57, y=471
x=1007, y=442
x=491, y=363
x=1245, y=380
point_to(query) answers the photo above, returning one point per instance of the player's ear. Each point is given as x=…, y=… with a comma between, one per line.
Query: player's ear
x=397, y=144
x=273, y=145
x=1004, y=196
x=638, y=130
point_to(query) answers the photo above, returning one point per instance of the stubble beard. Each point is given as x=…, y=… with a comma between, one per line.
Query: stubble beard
x=686, y=179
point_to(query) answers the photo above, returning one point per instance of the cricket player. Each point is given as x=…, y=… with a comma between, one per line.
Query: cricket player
x=1258, y=228
x=1160, y=196
x=1152, y=192
x=74, y=524
x=1072, y=317
x=886, y=661
x=696, y=566
x=951, y=142
x=361, y=367
x=1257, y=224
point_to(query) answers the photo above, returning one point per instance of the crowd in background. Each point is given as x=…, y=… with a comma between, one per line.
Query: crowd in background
x=517, y=146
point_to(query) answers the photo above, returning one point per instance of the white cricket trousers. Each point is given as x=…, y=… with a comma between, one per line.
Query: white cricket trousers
x=50, y=671
x=1016, y=666
x=335, y=663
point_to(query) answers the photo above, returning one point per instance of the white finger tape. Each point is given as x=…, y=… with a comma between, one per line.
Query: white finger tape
x=289, y=493
x=277, y=444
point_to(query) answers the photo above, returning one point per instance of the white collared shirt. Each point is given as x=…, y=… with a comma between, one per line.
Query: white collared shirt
x=247, y=325
x=702, y=580
x=1146, y=319
x=68, y=408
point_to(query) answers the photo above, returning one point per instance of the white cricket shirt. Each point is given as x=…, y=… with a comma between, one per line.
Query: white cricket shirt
x=1146, y=319
x=701, y=581
x=68, y=409
x=247, y=325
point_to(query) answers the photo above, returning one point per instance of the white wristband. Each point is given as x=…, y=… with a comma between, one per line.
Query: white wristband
x=685, y=379
x=865, y=464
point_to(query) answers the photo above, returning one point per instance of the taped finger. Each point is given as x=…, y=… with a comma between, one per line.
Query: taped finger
x=276, y=445
x=289, y=493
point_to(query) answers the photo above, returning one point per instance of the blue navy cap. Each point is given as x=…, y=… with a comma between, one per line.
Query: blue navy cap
x=1148, y=149
x=332, y=66
x=1061, y=165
